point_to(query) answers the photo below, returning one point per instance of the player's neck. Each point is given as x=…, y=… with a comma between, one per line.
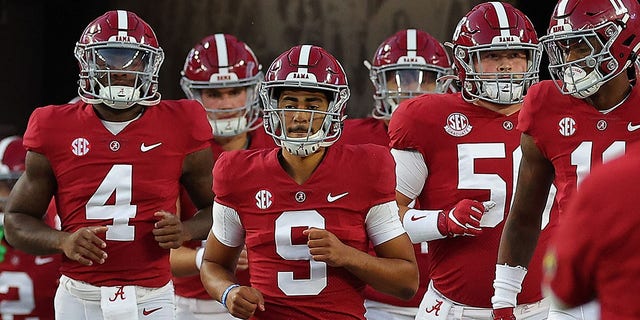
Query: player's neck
x=237, y=142
x=612, y=93
x=300, y=168
x=117, y=115
x=504, y=109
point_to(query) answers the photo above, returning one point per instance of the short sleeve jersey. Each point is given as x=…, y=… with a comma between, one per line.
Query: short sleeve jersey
x=594, y=252
x=274, y=210
x=118, y=181
x=470, y=153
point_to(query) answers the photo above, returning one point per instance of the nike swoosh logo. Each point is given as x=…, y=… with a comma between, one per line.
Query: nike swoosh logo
x=42, y=260
x=414, y=218
x=150, y=311
x=144, y=148
x=632, y=128
x=331, y=198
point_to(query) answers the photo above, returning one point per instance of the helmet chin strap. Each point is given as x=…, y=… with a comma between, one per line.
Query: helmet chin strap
x=119, y=97
x=228, y=127
x=581, y=84
x=303, y=147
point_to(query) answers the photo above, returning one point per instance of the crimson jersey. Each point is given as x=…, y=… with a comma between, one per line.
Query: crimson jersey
x=575, y=136
x=28, y=283
x=191, y=286
x=274, y=210
x=364, y=130
x=602, y=262
x=470, y=153
x=371, y=130
x=119, y=181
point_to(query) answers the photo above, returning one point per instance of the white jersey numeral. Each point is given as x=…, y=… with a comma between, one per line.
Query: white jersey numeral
x=119, y=181
x=287, y=250
x=468, y=179
x=26, y=302
x=581, y=157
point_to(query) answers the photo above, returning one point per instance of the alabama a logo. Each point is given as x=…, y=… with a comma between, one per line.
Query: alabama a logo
x=457, y=125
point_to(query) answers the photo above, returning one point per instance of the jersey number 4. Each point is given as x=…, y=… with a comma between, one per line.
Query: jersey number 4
x=119, y=181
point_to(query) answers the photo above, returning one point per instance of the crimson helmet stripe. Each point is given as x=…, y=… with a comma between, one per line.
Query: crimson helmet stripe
x=412, y=42
x=223, y=57
x=503, y=20
x=303, y=59
x=123, y=24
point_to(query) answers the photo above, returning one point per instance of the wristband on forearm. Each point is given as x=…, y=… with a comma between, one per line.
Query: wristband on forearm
x=507, y=285
x=223, y=299
x=422, y=225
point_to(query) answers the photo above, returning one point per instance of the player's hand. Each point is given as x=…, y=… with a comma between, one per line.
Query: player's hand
x=168, y=230
x=326, y=247
x=464, y=218
x=242, y=302
x=85, y=246
x=503, y=314
x=243, y=262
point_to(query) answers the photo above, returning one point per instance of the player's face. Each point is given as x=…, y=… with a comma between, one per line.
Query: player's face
x=410, y=80
x=577, y=48
x=125, y=60
x=224, y=99
x=502, y=61
x=304, y=111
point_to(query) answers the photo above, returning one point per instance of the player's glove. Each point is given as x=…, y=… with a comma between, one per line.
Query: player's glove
x=503, y=314
x=464, y=218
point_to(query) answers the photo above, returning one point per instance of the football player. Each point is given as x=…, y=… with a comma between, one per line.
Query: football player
x=457, y=156
x=585, y=117
x=307, y=210
x=222, y=73
x=114, y=161
x=404, y=66
x=582, y=265
x=27, y=283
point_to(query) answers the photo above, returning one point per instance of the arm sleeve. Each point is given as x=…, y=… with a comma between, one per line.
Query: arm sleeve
x=227, y=227
x=411, y=172
x=383, y=223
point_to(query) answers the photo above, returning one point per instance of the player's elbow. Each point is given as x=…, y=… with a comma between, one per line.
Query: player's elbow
x=408, y=286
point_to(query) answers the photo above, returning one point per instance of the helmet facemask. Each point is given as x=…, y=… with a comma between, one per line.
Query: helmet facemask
x=245, y=116
x=328, y=132
x=497, y=87
x=395, y=83
x=582, y=77
x=119, y=74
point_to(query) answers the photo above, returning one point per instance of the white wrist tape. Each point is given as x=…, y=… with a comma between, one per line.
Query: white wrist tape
x=422, y=225
x=507, y=285
x=199, y=257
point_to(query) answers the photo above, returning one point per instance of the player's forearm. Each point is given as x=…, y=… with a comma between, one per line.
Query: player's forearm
x=519, y=240
x=32, y=235
x=183, y=262
x=215, y=278
x=397, y=277
x=197, y=228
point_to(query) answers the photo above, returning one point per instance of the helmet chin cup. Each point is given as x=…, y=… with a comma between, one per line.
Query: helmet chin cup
x=119, y=97
x=580, y=84
x=228, y=127
x=502, y=92
x=302, y=147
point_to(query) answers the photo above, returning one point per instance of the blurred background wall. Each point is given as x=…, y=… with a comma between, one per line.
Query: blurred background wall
x=37, y=37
